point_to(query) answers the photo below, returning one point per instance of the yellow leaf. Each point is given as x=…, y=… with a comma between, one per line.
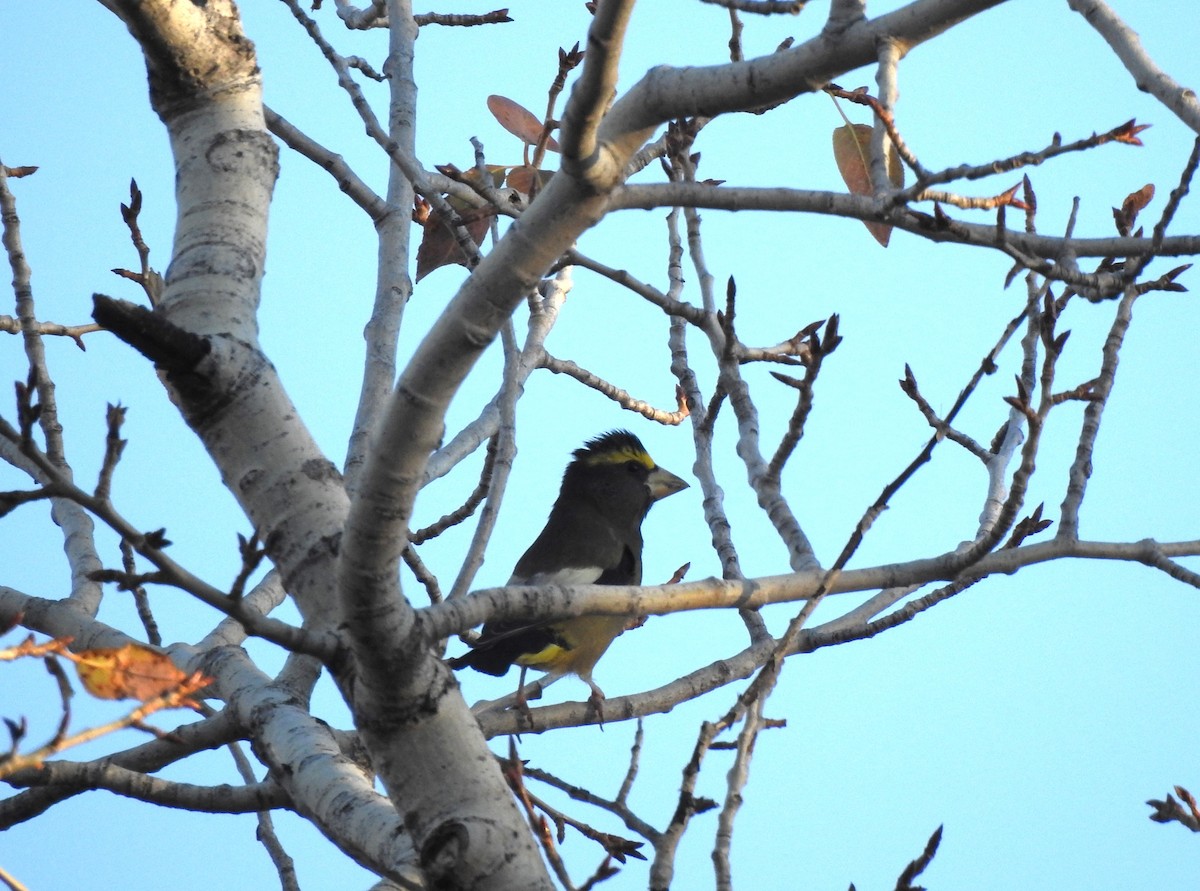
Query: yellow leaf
x=133, y=671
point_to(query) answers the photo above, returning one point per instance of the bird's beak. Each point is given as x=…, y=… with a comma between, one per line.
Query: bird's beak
x=663, y=483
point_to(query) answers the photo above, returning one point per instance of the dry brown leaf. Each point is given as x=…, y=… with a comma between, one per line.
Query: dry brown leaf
x=1137, y=201
x=439, y=247
x=851, y=149
x=1134, y=203
x=133, y=671
x=519, y=121
x=494, y=171
x=523, y=178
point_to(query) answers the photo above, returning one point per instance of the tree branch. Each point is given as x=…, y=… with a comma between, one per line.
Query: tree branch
x=1149, y=78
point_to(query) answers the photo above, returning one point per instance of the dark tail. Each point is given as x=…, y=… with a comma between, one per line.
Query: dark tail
x=486, y=659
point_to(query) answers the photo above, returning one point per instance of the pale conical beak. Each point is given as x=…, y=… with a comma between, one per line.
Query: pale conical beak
x=663, y=483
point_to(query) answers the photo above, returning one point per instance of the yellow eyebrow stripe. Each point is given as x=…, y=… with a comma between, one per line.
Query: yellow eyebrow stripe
x=620, y=456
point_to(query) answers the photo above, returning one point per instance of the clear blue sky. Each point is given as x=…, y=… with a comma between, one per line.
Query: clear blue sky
x=1031, y=716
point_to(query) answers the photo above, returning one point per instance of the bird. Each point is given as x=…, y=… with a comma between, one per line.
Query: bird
x=592, y=536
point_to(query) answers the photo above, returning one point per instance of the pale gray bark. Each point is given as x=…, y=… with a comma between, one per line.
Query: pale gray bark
x=448, y=819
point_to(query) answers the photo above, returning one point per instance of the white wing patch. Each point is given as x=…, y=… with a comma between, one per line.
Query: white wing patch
x=574, y=575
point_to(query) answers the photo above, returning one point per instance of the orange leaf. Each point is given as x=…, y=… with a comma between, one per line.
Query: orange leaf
x=133, y=671
x=1138, y=200
x=1133, y=204
x=519, y=121
x=851, y=150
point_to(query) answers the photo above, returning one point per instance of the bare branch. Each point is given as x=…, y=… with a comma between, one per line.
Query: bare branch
x=35, y=761
x=333, y=164
x=616, y=394
x=51, y=329
x=1081, y=467
x=413, y=172
x=909, y=386
x=423, y=574
x=662, y=870
x=495, y=17
x=817, y=348
x=1045, y=250
x=762, y=7
x=1149, y=78
x=668, y=303
x=10, y=881
x=582, y=154
x=140, y=599
x=454, y=616
x=150, y=546
x=736, y=779
x=137, y=785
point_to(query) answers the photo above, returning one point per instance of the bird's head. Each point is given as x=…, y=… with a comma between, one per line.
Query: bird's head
x=616, y=463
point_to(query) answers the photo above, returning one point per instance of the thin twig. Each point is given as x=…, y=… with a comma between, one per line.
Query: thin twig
x=1125, y=133
x=423, y=574
x=13, y=325
x=149, y=280
x=762, y=7
x=466, y=509
x=669, y=303
x=453, y=20
x=736, y=779
x=141, y=600
x=180, y=697
x=284, y=865
x=333, y=164
x=1146, y=73
x=10, y=881
x=616, y=394
x=150, y=545
x=909, y=386
x=1081, y=467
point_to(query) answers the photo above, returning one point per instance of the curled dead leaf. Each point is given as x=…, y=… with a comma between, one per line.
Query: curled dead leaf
x=1134, y=203
x=851, y=151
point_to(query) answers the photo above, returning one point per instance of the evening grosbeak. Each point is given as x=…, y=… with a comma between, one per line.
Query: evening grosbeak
x=593, y=536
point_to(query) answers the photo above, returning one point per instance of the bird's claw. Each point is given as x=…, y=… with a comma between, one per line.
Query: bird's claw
x=596, y=703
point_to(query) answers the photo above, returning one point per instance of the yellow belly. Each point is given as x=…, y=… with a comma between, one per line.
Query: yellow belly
x=584, y=641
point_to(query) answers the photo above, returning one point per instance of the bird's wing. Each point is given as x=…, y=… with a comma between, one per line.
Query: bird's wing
x=503, y=642
x=573, y=544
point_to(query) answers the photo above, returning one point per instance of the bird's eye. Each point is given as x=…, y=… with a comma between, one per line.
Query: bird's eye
x=634, y=466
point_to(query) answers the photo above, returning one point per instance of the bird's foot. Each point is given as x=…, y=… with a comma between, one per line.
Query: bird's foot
x=523, y=695
x=596, y=703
